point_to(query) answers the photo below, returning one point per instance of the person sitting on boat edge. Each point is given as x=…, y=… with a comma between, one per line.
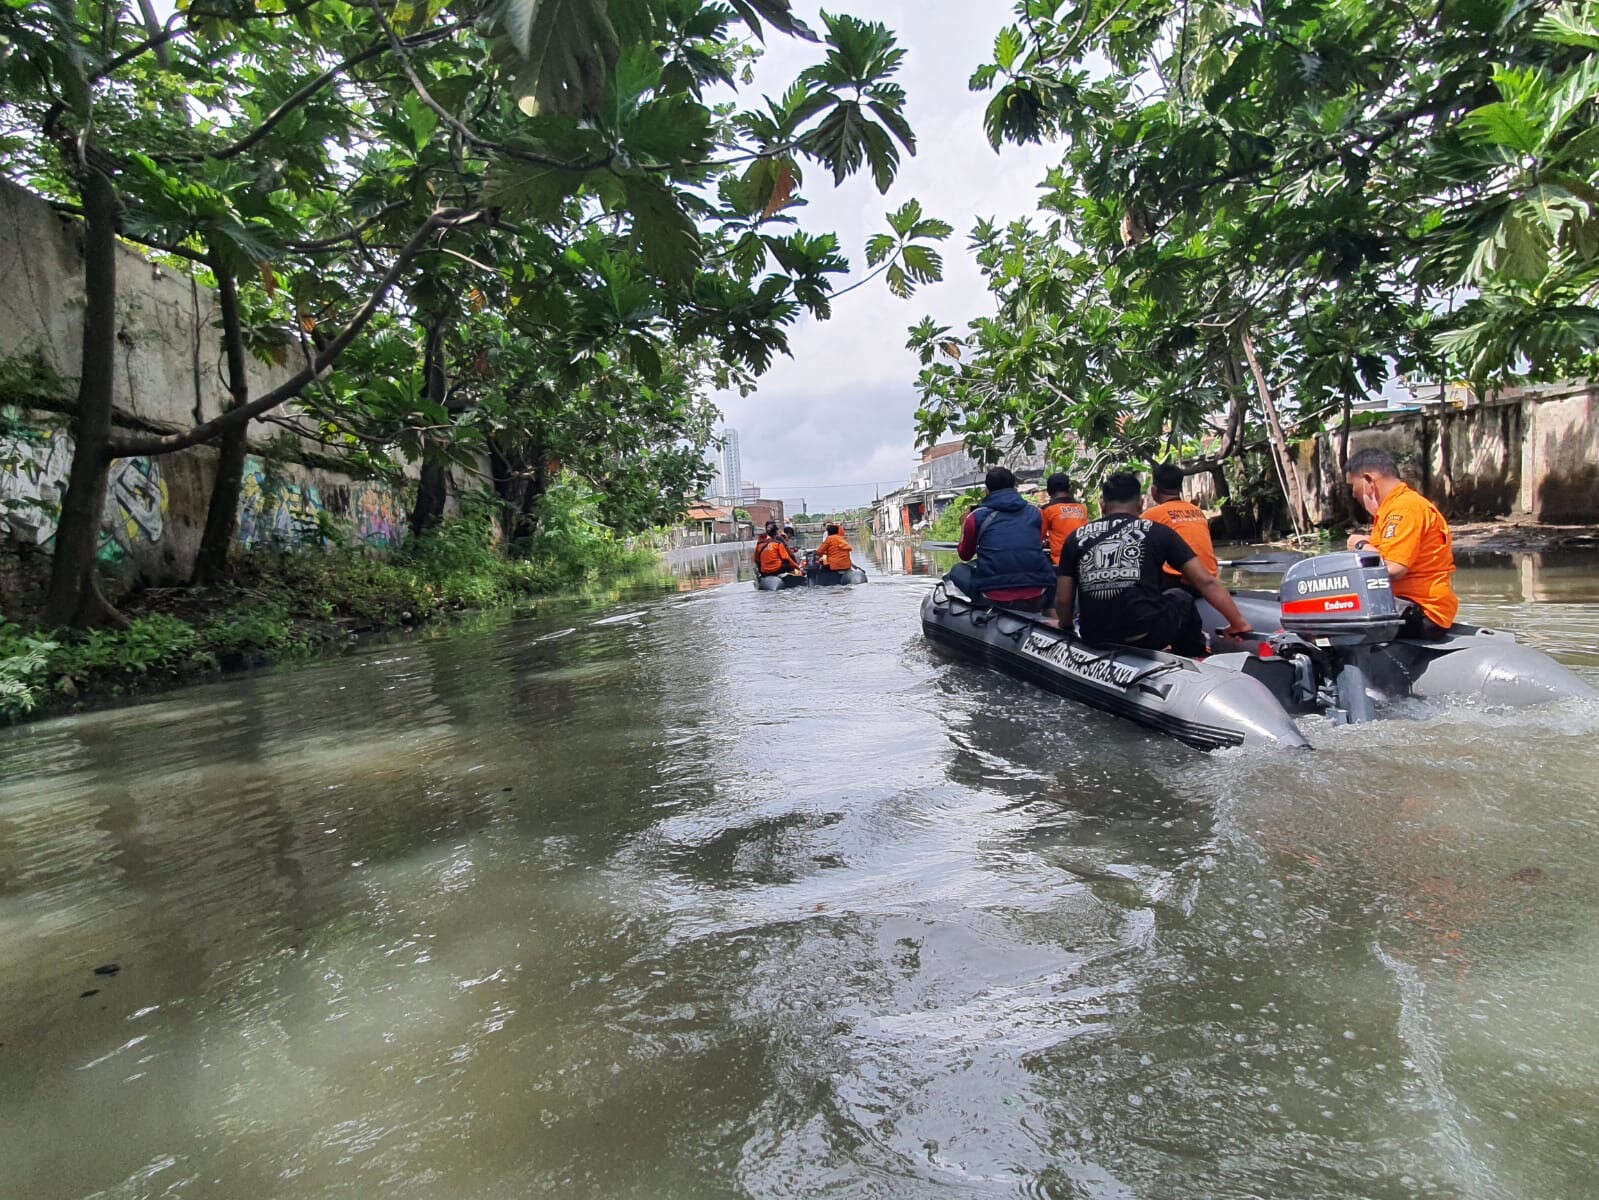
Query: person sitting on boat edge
x=834, y=552
x=766, y=535
x=1112, y=569
x=772, y=555
x=1001, y=549
x=1188, y=521
x=1062, y=516
x=1414, y=540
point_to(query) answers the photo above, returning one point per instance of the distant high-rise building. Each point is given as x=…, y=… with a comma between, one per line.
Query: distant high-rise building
x=732, y=465
x=750, y=491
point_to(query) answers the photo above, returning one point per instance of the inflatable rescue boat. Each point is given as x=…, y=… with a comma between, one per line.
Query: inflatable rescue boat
x=815, y=575
x=1327, y=642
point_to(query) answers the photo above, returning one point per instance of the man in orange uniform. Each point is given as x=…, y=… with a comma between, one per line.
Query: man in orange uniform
x=1063, y=515
x=834, y=552
x=1413, y=539
x=1189, y=523
x=772, y=555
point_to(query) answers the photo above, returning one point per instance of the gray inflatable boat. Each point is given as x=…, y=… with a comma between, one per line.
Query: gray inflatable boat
x=1327, y=642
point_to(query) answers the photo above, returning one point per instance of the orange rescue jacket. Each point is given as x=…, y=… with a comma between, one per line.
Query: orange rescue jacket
x=834, y=553
x=775, y=557
x=1192, y=525
x=1061, y=519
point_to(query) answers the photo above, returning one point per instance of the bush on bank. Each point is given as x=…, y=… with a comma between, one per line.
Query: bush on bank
x=292, y=604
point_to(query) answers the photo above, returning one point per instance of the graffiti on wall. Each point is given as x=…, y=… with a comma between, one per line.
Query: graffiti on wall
x=34, y=465
x=379, y=521
x=135, y=506
x=274, y=511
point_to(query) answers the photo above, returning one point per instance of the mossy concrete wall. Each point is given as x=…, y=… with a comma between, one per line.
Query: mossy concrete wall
x=1530, y=453
x=170, y=376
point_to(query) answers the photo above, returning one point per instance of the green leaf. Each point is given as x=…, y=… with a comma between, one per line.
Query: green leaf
x=1504, y=124
x=1015, y=114
x=779, y=12
x=878, y=248
x=1569, y=25
x=565, y=49
x=662, y=231
x=1008, y=47
x=839, y=142
x=923, y=263
x=526, y=188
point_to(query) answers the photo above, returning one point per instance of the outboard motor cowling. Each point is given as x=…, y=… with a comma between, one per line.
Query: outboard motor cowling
x=1343, y=599
x=1344, y=603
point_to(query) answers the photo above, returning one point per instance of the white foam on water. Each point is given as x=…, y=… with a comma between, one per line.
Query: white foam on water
x=620, y=618
x=1474, y=1176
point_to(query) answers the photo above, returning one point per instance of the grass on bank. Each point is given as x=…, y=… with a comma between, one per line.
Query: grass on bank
x=282, y=605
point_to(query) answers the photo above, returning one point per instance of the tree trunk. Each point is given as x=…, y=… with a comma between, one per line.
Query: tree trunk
x=222, y=516
x=1281, y=452
x=74, y=597
x=1343, y=435
x=433, y=487
x=527, y=522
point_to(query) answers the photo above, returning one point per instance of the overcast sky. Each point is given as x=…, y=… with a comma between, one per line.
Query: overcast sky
x=840, y=412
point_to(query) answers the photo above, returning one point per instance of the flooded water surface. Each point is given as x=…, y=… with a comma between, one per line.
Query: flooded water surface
x=726, y=893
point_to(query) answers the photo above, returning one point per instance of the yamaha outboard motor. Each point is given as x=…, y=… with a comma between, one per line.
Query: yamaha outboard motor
x=1344, y=604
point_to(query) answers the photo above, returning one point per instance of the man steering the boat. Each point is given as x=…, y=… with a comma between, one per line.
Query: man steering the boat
x=835, y=552
x=1002, y=553
x=1113, y=572
x=1414, y=540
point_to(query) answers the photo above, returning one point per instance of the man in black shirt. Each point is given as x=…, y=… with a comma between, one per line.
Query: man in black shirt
x=1112, y=568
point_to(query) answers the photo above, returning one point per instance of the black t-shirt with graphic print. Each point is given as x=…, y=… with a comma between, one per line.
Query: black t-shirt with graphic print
x=1116, y=563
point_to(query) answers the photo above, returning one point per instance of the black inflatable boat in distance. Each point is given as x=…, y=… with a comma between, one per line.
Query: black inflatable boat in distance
x=817, y=578
x=778, y=583
x=1205, y=706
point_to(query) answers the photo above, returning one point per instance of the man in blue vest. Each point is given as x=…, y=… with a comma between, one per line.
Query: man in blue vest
x=1001, y=549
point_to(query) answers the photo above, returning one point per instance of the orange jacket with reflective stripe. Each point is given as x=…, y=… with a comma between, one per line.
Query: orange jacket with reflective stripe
x=834, y=553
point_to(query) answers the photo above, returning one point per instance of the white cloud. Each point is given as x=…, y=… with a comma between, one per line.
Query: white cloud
x=840, y=411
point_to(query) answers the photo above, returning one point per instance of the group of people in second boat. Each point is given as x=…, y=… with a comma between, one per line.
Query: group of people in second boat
x=1132, y=575
x=778, y=551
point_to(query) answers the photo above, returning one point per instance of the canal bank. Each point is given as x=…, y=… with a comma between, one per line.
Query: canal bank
x=725, y=893
x=299, y=605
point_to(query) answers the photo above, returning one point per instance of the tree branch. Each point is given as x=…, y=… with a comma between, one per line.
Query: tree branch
x=310, y=89
x=175, y=29
x=326, y=357
x=349, y=235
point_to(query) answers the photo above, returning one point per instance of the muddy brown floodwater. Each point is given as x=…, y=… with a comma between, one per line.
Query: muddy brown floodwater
x=725, y=893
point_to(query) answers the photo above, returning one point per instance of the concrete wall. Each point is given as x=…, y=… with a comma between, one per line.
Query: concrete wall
x=170, y=376
x=1532, y=453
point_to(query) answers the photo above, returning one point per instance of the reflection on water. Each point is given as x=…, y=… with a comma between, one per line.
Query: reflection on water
x=728, y=893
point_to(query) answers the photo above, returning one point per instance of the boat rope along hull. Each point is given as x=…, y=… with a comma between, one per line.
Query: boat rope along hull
x=1209, y=707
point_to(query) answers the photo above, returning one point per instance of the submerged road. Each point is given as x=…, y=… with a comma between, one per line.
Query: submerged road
x=728, y=893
